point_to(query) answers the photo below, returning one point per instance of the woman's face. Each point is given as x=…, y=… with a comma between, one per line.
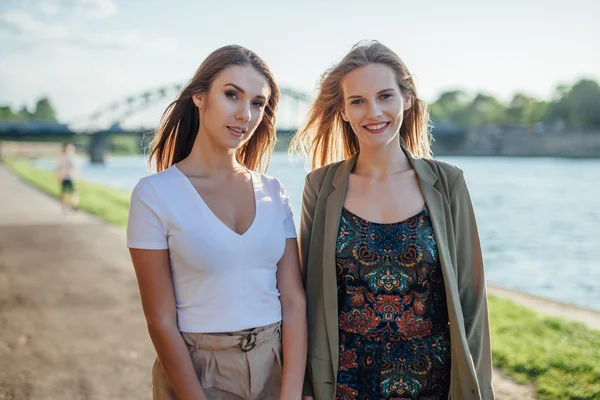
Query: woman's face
x=234, y=106
x=373, y=104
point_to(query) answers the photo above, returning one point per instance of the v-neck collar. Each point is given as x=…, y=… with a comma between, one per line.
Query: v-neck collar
x=205, y=206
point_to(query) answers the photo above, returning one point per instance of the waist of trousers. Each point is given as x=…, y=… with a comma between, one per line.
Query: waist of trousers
x=245, y=340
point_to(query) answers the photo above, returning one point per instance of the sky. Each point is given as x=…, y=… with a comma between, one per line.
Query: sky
x=85, y=54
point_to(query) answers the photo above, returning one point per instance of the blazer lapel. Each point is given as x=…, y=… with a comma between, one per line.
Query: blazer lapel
x=436, y=207
x=335, y=202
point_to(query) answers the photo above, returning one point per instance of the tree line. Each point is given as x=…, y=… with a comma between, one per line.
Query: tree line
x=575, y=107
x=43, y=111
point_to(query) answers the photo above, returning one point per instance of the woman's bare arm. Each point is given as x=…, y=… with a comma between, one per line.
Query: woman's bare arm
x=293, y=306
x=158, y=301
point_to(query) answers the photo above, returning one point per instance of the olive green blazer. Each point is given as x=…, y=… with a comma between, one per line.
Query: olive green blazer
x=448, y=201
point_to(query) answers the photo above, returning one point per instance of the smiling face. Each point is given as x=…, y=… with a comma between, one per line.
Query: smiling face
x=373, y=104
x=233, y=107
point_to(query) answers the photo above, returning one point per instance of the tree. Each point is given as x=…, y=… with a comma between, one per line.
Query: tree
x=483, y=110
x=524, y=110
x=6, y=113
x=558, y=109
x=44, y=110
x=577, y=106
x=538, y=110
x=23, y=114
x=584, y=104
x=448, y=106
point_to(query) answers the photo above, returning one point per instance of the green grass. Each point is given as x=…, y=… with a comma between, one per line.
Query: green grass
x=560, y=358
x=125, y=144
x=111, y=205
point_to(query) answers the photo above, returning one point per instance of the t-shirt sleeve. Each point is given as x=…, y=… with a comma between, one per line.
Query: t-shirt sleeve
x=288, y=222
x=145, y=227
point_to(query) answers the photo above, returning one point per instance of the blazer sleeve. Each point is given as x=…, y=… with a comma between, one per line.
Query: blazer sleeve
x=309, y=201
x=471, y=284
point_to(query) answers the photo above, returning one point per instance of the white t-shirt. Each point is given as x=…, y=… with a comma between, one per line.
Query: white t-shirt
x=68, y=166
x=223, y=281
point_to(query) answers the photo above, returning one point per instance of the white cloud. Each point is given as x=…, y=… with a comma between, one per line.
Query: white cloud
x=88, y=9
x=26, y=27
x=94, y=8
x=23, y=29
x=48, y=7
x=130, y=40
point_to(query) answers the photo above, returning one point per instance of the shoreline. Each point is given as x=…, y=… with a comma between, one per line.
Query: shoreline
x=549, y=307
x=36, y=150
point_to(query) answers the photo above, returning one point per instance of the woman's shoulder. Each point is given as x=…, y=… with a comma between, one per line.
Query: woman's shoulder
x=445, y=170
x=267, y=180
x=269, y=184
x=316, y=177
x=155, y=182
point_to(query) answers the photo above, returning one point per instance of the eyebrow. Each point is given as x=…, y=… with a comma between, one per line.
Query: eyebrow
x=358, y=97
x=260, y=96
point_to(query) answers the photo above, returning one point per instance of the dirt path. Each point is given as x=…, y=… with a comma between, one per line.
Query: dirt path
x=71, y=325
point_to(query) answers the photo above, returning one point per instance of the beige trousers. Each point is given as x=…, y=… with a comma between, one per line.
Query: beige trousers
x=243, y=365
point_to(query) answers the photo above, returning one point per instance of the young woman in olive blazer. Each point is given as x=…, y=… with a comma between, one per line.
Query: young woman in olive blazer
x=383, y=141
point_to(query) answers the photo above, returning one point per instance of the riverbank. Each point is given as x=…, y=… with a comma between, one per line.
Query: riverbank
x=488, y=142
x=558, y=357
x=499, y=142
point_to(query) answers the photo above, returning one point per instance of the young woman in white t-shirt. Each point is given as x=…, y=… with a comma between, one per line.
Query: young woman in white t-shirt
x=68, y=169
x=214, y=245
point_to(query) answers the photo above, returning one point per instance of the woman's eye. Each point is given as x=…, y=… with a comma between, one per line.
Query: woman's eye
x=231, y=95
x=357, y=101
x=386, y=96
x=258, y=104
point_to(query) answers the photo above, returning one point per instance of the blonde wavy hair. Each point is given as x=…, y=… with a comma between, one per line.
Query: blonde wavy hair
x=326, y=137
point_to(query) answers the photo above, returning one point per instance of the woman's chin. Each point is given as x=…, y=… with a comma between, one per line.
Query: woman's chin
x=376, y=142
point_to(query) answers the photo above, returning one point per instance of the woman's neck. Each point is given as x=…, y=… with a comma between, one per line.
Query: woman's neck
x=208, y=159
x=377, y=162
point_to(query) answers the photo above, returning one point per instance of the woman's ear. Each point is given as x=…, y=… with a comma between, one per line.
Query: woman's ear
x=407, y=102
x=343, y=113
x=199, y=99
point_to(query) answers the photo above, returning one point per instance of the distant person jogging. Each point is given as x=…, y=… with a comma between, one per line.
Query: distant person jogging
x=68, y=169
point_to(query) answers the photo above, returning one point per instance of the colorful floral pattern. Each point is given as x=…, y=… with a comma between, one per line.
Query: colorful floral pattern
x=393, y=318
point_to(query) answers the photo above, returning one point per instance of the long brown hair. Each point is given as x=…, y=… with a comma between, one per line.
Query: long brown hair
x=180, y=122
x=327, y=138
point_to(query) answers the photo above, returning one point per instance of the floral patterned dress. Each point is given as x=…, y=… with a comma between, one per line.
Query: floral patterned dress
x=393, y=317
